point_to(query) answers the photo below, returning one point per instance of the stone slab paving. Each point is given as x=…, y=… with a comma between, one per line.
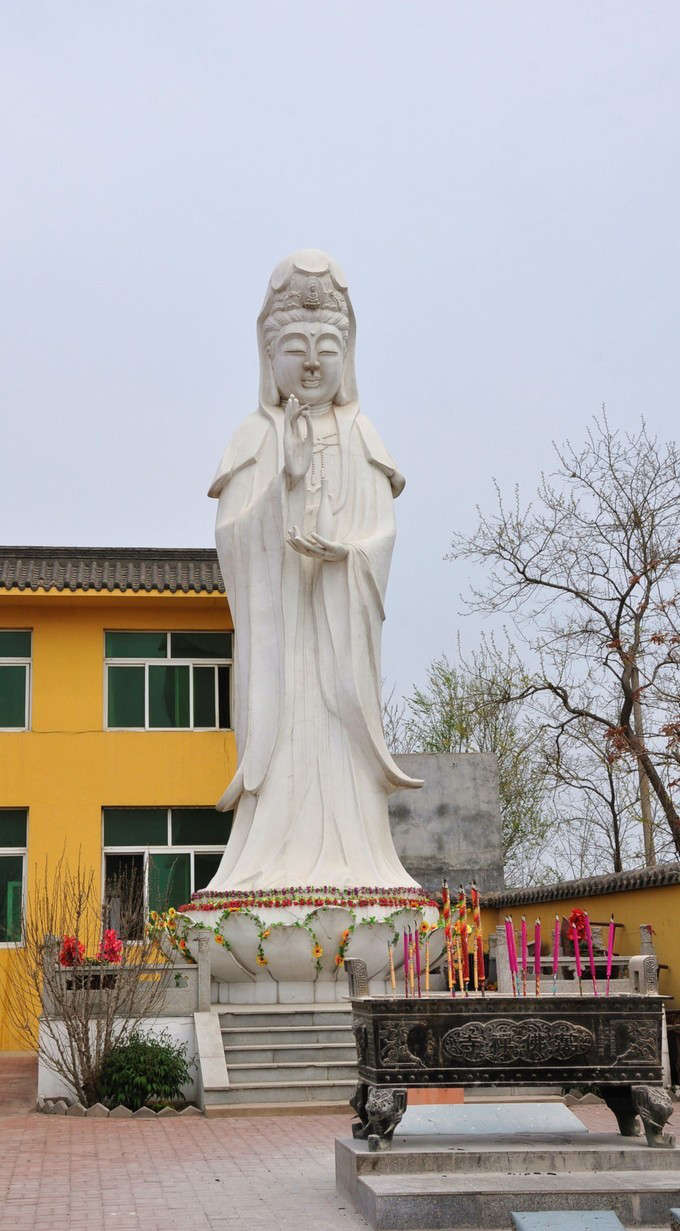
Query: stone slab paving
x=262, y=1173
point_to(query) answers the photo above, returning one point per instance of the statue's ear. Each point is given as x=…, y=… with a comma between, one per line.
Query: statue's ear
x=269, y=392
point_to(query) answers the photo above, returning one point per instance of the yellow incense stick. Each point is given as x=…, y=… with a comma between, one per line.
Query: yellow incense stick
x=427, y=964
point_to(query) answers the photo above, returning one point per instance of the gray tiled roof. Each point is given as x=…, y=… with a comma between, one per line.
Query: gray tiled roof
x=591, y=886
x=187, y=569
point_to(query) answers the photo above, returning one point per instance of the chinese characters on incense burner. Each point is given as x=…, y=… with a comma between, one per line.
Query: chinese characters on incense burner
x=464, y=962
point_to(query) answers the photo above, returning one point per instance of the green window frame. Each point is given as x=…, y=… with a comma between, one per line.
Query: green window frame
x=167, y=681
x=13, y=843
x=163, y=854
x=15, y=678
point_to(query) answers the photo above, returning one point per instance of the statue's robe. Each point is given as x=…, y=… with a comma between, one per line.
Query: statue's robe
x=313, y=776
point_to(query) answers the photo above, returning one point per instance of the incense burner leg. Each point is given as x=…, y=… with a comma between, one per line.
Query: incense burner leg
x=379, y=1111
x=655, y=1108
x=358, y=1103
x=619, y=1099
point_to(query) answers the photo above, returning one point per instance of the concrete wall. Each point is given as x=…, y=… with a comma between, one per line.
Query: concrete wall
x=180, y=1029
x=451, y=826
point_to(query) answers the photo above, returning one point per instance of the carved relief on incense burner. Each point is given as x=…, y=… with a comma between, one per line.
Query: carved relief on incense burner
x=505, y=1042
x=406, y=1043
x=643, y=1042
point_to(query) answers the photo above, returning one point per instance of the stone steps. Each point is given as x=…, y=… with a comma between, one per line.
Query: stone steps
x=469, y=1182
x=453, y=1200
x=297, y=1071
x=284, y=1053
x=286, y=1056
x=244, y=1036
x=310, y=1091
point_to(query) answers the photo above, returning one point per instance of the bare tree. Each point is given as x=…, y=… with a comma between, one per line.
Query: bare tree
x=74, y=1013
x=591, y=575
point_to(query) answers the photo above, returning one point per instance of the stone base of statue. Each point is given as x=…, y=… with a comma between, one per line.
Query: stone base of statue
x=289, y=945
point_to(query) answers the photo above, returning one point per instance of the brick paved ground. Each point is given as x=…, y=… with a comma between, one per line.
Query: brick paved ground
x=172, y=1175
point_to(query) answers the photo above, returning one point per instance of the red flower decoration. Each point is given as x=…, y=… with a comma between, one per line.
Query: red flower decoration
x=72, y=951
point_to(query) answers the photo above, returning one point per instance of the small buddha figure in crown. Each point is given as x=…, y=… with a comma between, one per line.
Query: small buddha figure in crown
x=305, y=532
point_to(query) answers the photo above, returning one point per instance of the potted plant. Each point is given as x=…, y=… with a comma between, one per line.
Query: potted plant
x=94, y=973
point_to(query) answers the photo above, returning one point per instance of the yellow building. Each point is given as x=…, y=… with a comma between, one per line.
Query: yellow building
x=115, y=739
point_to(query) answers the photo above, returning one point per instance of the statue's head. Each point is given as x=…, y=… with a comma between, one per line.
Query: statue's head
x=306, y=333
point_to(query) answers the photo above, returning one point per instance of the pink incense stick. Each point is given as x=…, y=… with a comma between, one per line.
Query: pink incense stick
x=406, y=961
x=577, y=956
x=509, y=939
x=610, y=951
x=556, y=954
x=525, y=955
x=537, y=956
x=591, y=956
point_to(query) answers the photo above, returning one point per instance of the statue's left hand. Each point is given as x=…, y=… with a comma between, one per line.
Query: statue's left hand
x=316, y=547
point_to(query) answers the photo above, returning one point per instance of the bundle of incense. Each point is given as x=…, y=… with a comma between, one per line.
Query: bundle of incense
x=610, y=952
x=393, y=978
x=417, y=944
x=463, y=925
x=537, y=955
x=577, y=957
x=591, y=956
x=479, y=939
x=405, y=962
x=446, y=912
x=459, y=963
x=525, y=955
x=556, y=954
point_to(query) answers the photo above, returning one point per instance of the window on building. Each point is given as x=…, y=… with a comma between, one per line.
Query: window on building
x=168, y=681
x=15, y=679
x=155, y=858
x=13, y=825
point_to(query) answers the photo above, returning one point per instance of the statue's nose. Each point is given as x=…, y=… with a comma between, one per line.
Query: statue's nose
x=311, y=364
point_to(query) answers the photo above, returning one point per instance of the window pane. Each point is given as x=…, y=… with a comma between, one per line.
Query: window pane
x=223, y=698
x=200, y=645
x=169, y=881
x=12, y=826
x=200, y=827
x=135, y=827
x=126, y=697
x=11, y=870
x=124, y=895
x=15, y=644
x=169, y=697
x=13, y=696
x=136, y=645
x=204, y=696
x=205, y=867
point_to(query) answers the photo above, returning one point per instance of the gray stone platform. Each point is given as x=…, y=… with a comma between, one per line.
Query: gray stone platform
x=466, y=1181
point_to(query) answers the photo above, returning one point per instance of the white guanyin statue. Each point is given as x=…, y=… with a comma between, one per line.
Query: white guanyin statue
x=305, y=532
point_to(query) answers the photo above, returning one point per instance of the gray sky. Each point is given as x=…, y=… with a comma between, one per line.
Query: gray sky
x=499, y=181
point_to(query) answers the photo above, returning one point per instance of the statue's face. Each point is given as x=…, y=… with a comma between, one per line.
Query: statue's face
x=308, y=360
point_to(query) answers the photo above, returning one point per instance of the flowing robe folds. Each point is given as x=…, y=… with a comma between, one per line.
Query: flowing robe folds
x=310, y=791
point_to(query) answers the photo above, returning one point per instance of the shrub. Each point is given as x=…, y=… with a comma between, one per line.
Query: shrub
x=144, y=1069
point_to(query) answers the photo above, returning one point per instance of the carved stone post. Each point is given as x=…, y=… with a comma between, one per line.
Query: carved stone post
x=50, y=960
x=646, y=939
x=203, y=994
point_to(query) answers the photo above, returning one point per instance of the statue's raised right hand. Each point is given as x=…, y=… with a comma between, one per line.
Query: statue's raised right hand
x=297, y=449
